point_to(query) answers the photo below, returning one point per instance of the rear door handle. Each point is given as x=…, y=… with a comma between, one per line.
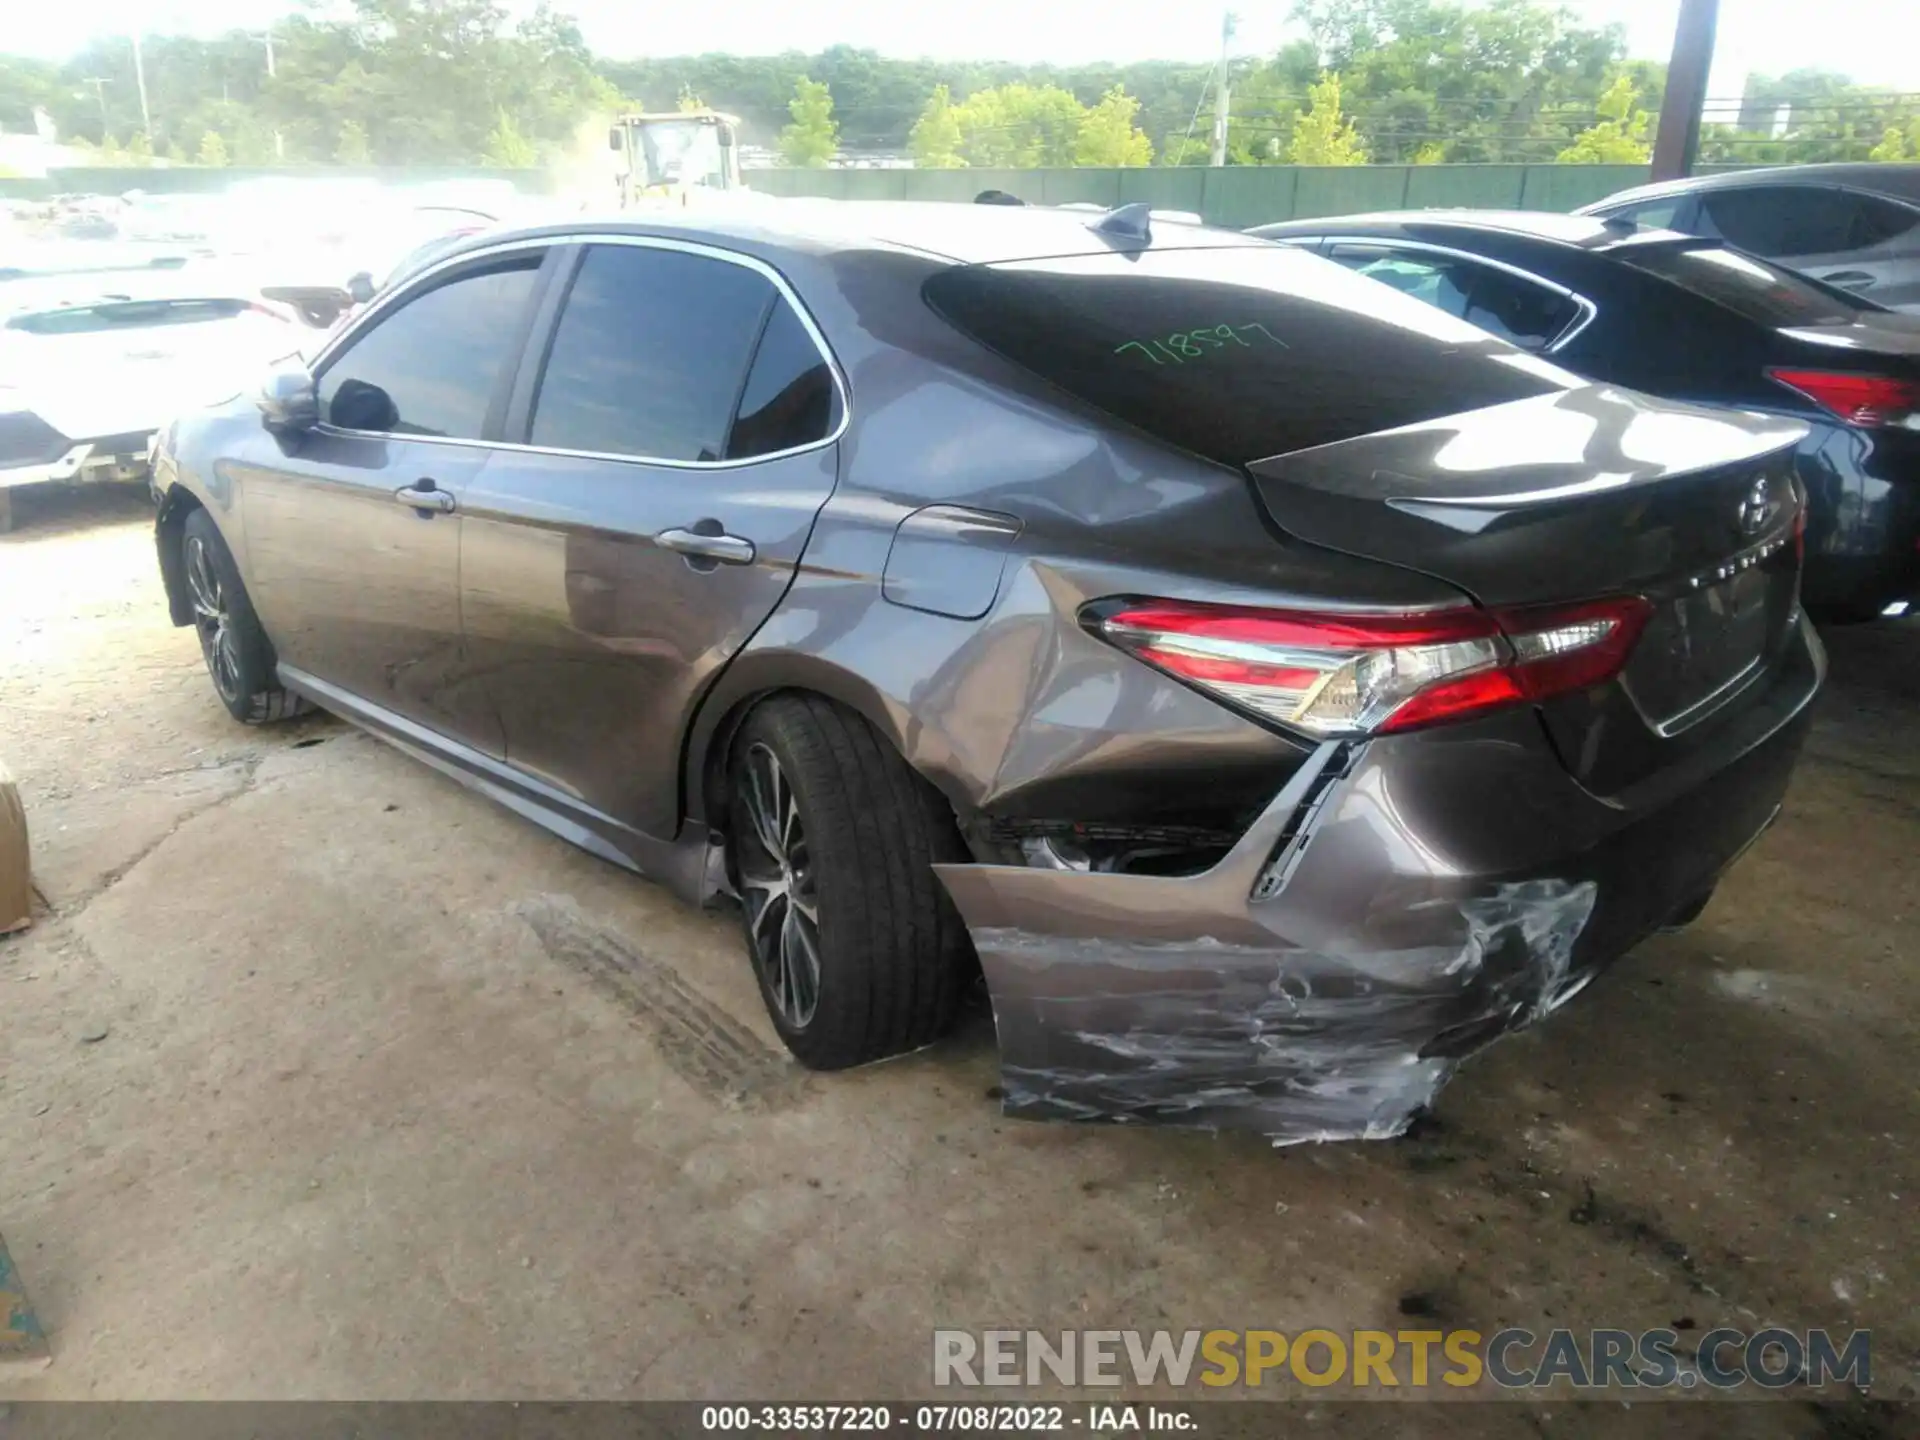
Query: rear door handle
x=1849, y=279
x=425, y=496
x=704, y=540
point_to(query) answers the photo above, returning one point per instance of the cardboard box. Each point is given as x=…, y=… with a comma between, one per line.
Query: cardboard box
x=16, y=866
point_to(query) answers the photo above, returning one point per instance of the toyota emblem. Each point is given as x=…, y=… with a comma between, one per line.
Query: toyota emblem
x=1757, y=509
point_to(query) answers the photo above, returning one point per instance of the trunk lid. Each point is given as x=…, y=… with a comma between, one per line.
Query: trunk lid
x=1577, y=495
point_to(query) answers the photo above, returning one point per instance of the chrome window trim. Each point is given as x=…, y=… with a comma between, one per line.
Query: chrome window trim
x=519, y=244
x=1586, y=308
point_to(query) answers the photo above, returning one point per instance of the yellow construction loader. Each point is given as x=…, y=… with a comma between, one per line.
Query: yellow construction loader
x=675, y=157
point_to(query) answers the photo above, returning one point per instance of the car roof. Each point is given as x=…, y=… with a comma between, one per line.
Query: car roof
x=1901, y=182
x=963, y=233
x=1584, y=232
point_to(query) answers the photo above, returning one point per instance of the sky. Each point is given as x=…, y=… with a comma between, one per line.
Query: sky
x=1877, y=42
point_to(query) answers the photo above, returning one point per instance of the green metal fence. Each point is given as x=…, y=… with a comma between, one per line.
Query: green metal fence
x=1235, y=195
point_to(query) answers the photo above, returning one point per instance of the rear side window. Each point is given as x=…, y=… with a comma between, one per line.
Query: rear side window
x=1781, y=219
x=1524, y=312
x=1235, y=354
x=1882, y=220
x=430, y=366
x=126, y=315
x=1745, y=285
x=789, y=400
x=650, y=354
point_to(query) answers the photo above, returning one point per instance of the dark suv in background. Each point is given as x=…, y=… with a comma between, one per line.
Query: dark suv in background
x=1852, y=226
x=1279, y=687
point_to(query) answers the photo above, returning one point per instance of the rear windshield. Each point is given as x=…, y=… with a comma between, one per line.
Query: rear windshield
x=1748, y=286
x=1235, y=354
x=125, y=315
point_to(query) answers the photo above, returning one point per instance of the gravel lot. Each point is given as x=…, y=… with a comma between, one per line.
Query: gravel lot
x=400, y=1097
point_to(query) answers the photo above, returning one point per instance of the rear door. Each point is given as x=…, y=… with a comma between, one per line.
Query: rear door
x=353, y=530
x=672, y=450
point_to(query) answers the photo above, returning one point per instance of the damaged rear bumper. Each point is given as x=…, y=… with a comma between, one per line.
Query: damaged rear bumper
x=1401, y=903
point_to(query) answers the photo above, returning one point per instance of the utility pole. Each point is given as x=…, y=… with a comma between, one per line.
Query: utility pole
x=1222, y=94
x=1678, y=140
x=99, y=84
x=279, y=140
x=140, y=79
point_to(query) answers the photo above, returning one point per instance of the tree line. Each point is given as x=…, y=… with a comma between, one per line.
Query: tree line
x=460, y=82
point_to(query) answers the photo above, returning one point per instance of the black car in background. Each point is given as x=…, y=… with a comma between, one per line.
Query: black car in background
x=1691, y=319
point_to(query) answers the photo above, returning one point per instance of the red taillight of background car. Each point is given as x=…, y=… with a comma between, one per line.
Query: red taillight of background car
x=1875, y=401
x=1348, y=674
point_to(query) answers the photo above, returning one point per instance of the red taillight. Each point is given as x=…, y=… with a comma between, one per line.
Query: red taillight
x=1336, y=674
x=1873, y=400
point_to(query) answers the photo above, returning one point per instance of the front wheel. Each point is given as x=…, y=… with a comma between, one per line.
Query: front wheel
x=859, y=952
x=238, y=654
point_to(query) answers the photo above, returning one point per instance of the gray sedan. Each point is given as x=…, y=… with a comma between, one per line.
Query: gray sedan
x=1279, y=689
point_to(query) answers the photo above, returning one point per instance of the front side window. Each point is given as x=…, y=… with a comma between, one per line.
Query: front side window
x=1520, y=311
x=431, y=365
x=651, y=354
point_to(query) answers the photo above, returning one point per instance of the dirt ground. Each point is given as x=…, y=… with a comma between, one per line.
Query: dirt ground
x=399, y=1097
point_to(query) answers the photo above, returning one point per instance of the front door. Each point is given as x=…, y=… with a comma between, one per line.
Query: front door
x=353, y=530
x=678, y=448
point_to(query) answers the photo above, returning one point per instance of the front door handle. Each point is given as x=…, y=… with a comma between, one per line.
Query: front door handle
x=425, y=496
x=705, y=540
x=1849, y=279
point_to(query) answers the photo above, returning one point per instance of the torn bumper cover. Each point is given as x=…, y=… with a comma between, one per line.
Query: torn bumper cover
x=1401, y=903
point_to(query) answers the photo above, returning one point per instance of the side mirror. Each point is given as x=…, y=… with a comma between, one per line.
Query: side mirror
x=360, y=288
x=616, y=139
x=359, y=405
x=726, y=137
x=289, y=403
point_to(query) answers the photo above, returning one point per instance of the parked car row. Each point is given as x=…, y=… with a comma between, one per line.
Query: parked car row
x=1276, y=686
x=103, y=341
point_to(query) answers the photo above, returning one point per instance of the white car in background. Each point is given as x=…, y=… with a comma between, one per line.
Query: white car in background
x=92, y=366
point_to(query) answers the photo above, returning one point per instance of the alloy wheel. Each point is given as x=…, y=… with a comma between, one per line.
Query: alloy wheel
x=212, y=618
x=777, y=884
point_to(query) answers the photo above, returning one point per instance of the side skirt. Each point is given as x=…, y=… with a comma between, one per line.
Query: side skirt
x=692, y=866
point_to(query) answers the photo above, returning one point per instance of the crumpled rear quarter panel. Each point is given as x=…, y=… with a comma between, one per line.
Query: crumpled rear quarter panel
x=1325, y=979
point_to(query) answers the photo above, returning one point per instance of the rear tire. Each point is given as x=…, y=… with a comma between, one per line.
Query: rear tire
x=859, y=952
x=239, y=656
